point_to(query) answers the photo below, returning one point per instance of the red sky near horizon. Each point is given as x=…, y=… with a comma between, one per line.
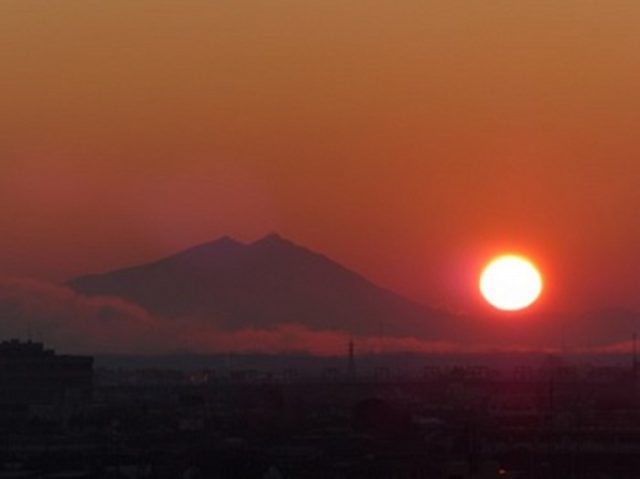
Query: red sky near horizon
x=409, y=140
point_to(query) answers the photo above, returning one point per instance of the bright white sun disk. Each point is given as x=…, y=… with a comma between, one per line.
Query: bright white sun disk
x=510, y=283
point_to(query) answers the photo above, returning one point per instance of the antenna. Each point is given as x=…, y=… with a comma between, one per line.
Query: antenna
x=634, y=359
x=563, y=339
x=352, y=363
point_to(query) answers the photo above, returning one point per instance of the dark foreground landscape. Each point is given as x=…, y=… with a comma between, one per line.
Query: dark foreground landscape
x=385, y=416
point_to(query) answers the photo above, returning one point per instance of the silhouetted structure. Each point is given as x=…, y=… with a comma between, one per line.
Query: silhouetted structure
x=32, y=377
x=352, y=360
x=635, y=355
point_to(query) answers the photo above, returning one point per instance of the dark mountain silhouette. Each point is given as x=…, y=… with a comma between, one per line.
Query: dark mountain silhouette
x=266, y=283
x=274, y=281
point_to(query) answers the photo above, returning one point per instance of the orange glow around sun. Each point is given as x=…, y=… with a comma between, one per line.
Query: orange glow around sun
x=511, y=282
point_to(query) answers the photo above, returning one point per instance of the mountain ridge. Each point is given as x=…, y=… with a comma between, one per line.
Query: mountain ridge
x=273, y=281
x=264, y=283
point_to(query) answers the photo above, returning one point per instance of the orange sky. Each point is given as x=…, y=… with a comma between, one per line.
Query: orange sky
x=407, y=139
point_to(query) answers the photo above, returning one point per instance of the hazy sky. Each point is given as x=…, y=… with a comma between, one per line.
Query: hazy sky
x=407, y=139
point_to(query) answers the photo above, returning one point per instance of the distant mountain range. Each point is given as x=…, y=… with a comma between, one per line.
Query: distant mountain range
x=273, y=281
x=266, y=283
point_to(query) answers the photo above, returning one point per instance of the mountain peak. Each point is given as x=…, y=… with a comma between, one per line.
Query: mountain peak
x=268, y=282
x=221, y=247
x=272, y=239
x=226, y=240
x=223, y=242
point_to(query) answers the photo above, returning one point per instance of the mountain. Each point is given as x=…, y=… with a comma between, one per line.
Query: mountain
x=274, y=281
x=266, y=283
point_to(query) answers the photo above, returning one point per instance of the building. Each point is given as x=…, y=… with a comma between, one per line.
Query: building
x=34, y=379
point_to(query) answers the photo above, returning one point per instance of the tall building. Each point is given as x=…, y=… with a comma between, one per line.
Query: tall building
x=32, y=376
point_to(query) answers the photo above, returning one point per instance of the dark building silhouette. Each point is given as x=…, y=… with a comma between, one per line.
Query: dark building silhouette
x=34, y=379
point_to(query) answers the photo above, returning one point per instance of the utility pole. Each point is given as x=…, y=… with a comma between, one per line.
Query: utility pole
x=634, y=363
x=352, y=361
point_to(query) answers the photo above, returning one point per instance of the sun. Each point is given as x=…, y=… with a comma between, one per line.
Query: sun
x=510, y=282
